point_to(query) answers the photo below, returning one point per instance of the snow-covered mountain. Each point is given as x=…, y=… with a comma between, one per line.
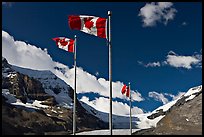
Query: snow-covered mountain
x=57, y=88
x=155, y=116
x=52, y=85
x=42, y=94
x=180, y=117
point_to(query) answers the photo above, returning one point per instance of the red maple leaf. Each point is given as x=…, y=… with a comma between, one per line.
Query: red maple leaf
x=88, y=23
x=63, y=42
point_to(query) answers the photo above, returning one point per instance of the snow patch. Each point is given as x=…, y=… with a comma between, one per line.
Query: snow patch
x=34, y=104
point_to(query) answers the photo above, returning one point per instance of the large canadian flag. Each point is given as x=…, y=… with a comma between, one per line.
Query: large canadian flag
x=65, y=43
x=89, y=24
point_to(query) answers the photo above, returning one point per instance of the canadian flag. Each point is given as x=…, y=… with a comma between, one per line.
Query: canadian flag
x=89, y=24
x=65, y=43
x=125, y=89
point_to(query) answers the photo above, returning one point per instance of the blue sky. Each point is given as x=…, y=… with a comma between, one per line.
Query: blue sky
x=139, y=52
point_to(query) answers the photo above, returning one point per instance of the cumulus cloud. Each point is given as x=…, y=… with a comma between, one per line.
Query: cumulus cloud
x=177, y=61
x=174, y=97
x=199, y=57
x=153, y=64
x=89, y=83
x=119, y=107
x=182, y=61
x=25, y=55
x=163, y=97
x=155, y=12
x=150, y=64
x=171, y=52
x=29, y=56
x=158, y=97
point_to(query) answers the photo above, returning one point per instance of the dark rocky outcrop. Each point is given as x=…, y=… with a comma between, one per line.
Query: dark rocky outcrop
x=183, y=118
x=23, y=86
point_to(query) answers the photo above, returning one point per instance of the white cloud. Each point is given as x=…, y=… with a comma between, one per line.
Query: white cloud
x=29, y=56
x=158, y=97
x=182, y=61
x=174, y=97
x=89, y=83
x=199, y=57
x=140, y=62
x=171, y=52
x=150, y=64
x=178, y=61
x=162, y=97
x=153, y=12
x=97, y=73
x=103, y=103
x=153, y=64
x=164, y=5
x=24, y=55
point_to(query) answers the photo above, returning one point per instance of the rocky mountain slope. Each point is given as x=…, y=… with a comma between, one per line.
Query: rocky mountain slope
x=182, y=118
x=40, y=104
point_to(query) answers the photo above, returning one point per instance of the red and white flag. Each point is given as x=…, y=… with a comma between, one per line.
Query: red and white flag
x=125, y=89
x=89, y=24
x=65, y=43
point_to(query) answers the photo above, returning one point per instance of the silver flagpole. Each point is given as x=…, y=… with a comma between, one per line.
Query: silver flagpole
x=110, y=71
x=130, y=113
x=74, y=108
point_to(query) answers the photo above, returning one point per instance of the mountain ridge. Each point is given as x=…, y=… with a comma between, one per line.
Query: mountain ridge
x=178, y=120
x=30, y=108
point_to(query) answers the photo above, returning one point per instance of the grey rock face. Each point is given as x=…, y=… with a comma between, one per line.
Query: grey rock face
x=183, y=118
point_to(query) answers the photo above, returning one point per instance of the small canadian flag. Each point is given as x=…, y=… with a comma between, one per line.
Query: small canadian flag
x=65, y=43
x=125, y=89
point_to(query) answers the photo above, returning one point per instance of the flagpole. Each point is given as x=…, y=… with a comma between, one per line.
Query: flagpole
x=110, y=71
x=74, y=108
x=130, y=112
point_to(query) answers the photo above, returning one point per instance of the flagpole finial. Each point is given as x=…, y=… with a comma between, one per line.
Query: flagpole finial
x=129, y=83
x=109, y=13
x=75, y=36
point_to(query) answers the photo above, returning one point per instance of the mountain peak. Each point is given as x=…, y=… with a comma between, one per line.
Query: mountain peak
x=183, y=116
